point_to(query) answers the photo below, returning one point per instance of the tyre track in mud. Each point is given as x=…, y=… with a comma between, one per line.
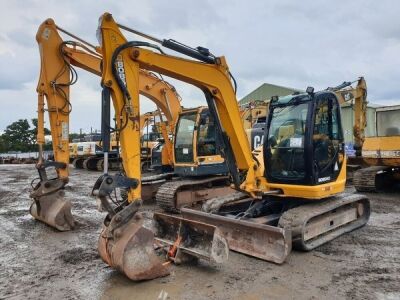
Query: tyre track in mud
x=38, y=262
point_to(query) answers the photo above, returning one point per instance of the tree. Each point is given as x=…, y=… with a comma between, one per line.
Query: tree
x=75, y=136
x=35, y=129
x=18, y=136
x=3, y=146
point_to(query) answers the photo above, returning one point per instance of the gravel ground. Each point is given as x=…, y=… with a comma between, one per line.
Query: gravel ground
x=37, y=262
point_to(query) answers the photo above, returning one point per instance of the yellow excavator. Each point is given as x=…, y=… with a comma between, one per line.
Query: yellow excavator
x=57, y=73
x=288, y=194
x=151, y=136
x=379, y=155
x=89, y=154
x=201, y=172
x=253, y=114
x=198, y=163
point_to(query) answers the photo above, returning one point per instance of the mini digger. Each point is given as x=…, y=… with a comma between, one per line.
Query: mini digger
x=289, y=193
x=58, y=61
x=201, y=172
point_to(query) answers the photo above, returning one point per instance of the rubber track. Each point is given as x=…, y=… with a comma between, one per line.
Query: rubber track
x=165, y=197
x=89, y=160
x=295, y=219
x=100, y=164
x=364, y=179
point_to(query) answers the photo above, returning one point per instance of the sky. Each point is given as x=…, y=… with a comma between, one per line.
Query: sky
x=290, y=43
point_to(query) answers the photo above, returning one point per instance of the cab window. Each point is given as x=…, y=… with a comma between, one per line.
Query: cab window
x=206, y=137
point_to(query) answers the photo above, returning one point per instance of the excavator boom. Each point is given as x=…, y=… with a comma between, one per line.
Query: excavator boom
x=57, y=74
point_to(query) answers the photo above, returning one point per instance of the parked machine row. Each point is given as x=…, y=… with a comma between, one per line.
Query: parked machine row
x=287, y=193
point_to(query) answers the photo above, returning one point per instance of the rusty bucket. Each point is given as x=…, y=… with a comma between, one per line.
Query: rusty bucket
x=50, y=206
x=124, y=244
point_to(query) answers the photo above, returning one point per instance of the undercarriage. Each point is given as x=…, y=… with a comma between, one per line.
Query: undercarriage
x=269, y=228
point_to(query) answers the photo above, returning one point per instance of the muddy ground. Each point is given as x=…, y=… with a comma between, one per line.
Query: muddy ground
x=37, y=262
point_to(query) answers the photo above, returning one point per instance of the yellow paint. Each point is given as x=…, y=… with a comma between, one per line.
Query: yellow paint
x=160, y=92
x=213, y=79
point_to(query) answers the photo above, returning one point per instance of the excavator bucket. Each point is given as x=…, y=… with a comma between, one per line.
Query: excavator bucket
x=188, y=239
x=50, y=206
x=126, y=245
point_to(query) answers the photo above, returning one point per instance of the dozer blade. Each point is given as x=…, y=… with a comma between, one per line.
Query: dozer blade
x=50, y=206
x=127, y=246
x=189, y=239
x=266, y=242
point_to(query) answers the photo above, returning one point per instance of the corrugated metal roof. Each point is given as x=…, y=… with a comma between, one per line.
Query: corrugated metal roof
x=266, y=91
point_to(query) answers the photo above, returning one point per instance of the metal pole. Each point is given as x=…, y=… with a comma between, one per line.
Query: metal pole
x=76, y=37
x=140, y=33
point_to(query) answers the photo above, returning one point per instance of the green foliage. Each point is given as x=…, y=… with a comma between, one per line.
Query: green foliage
x=35, y=125
x=3, y=147
x=73, y=136
x=17, y=136
x=20, y=136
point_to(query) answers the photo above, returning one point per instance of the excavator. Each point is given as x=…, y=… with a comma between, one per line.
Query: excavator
x=291, y=193
x=56, y=76
x=254, y=116
x=198, y=163
x=91, y=155
x=150, y=140
x=380, y=154
x=201, y=172
x=255, y=113
x=377, y=157
x=83, y=152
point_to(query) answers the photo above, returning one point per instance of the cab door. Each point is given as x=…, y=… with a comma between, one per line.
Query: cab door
x=327, y=139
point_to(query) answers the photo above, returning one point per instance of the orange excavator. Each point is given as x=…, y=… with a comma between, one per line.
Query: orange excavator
x=56, y=76
x=290, y=193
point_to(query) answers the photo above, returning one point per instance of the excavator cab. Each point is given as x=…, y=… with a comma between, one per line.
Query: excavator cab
x=196, y=145
x=304, y=139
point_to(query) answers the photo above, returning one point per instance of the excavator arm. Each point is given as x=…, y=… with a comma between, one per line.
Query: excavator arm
x=56, y=75
x=212, y=77
x=346, y=93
